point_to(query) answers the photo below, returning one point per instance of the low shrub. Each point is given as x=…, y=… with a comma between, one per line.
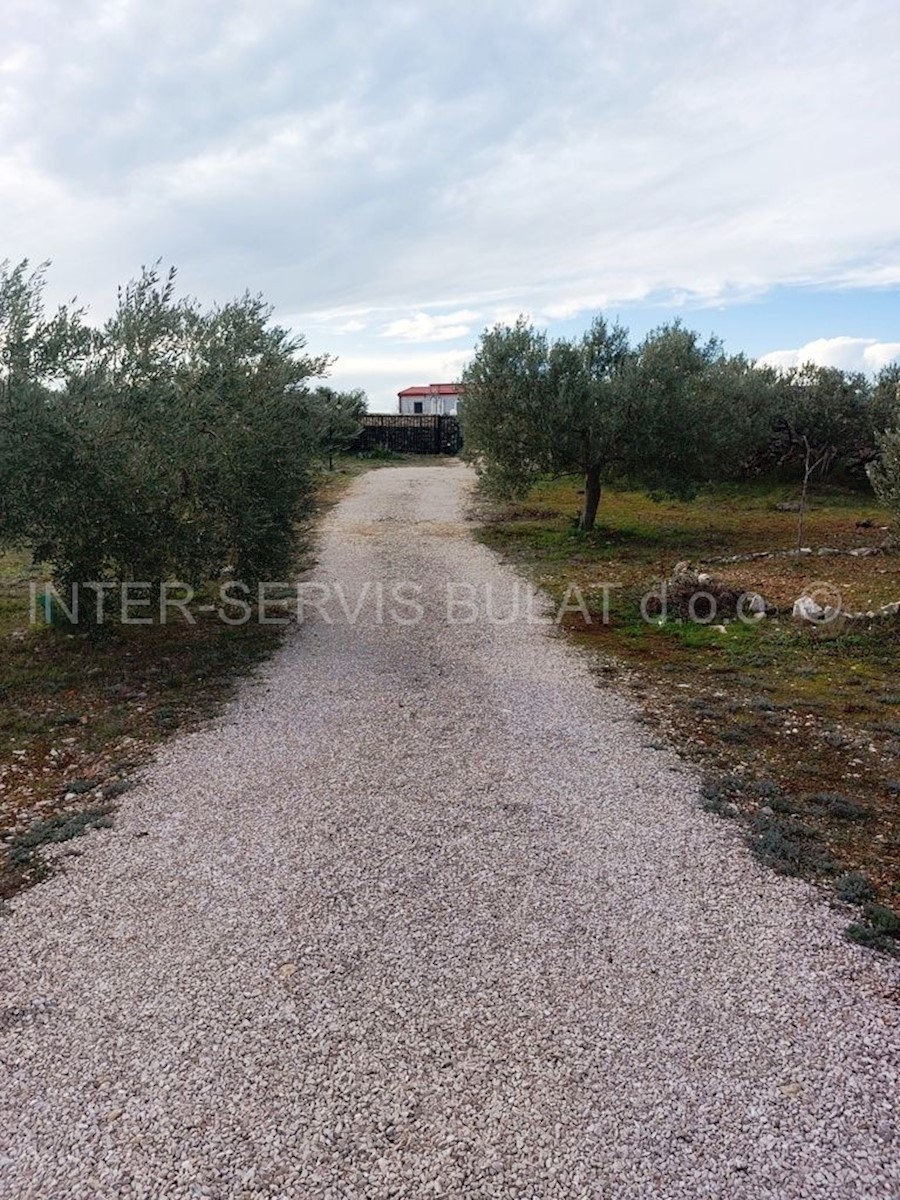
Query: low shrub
x=854, y=887
x=838, y=807
x=788, y=846
x=878, y=930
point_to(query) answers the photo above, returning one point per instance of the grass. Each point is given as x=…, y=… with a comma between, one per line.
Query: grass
x=778, y=716
x=78, y=715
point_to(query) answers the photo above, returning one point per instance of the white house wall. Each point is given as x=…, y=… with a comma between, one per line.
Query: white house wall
x=431, y=405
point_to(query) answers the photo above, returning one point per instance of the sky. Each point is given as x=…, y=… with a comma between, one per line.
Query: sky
x=394, y=177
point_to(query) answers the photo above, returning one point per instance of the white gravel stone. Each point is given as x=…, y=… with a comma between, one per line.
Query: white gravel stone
x=421, y=916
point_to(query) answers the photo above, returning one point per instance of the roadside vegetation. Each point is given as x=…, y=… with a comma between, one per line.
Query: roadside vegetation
x=80, y=714
x=696, y=484
x=173, y=443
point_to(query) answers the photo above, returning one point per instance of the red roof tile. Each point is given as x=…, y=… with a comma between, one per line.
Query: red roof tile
x=432, y=389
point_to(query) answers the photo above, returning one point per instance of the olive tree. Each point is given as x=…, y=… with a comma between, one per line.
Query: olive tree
x=694, y=415
x=884, y=402
x=531, y=406
x=170, y=442
x=335, y=419
x=884, y=473
x=829, y=413
x=505, y=395
x=671, y=414
x=36, y=352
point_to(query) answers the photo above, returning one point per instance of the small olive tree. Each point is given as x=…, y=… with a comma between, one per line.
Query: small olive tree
x=335, y=419
x=504, y=399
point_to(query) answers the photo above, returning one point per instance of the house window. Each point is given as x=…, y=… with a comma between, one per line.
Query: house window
x=417, y=406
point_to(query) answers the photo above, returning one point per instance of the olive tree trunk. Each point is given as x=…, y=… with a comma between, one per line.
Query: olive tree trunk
x=592, y=491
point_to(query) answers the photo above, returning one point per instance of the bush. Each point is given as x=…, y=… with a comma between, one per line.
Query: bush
x=840, y=808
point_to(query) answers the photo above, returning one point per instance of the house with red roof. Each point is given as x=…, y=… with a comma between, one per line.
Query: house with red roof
x=430, y=399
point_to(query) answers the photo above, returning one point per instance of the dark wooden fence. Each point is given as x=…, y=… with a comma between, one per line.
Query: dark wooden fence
x=417, y=434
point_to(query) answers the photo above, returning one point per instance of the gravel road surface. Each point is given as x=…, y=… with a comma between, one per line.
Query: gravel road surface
x=423, y=915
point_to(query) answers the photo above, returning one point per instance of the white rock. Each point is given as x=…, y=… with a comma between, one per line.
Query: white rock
x=806, y=609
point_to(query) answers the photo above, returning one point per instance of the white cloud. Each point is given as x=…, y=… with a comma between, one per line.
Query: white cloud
x=446, y=161
x=426, y=328
x=881, y=354
x=847, y=353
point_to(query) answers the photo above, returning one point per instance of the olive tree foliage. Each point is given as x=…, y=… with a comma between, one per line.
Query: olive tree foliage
x=335, y=419
x=585, y=380
x=884, y=473
x=531, y=406
x=693, y=413
x=171, y=442
x=503, y=412
x=884, y=403
x=36, y=353
x=829, y=413
x=670, y=414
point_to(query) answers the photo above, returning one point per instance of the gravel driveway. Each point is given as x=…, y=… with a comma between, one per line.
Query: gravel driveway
x=423, y=915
